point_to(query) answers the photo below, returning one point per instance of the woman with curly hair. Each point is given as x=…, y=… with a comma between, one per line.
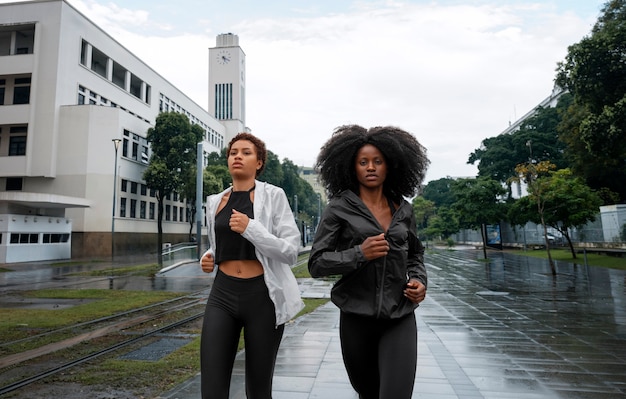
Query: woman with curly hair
x=367, y=235
x=254, y=241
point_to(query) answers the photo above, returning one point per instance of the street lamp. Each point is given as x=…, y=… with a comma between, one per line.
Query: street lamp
x=116, y=144
x=319, y=210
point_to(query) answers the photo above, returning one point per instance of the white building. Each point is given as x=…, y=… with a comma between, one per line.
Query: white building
x=68, y=90
x=519, y=188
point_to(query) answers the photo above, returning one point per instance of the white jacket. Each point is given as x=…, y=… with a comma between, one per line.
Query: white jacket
x=276, y=238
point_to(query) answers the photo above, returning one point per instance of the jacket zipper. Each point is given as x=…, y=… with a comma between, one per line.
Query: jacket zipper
x=382, y=288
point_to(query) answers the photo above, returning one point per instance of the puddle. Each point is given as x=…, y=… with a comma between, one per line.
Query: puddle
x=12, y=302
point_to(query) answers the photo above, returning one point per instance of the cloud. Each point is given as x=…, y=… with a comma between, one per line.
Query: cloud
x=452, y=75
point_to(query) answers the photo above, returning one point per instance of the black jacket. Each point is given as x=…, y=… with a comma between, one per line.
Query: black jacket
x=369, y=288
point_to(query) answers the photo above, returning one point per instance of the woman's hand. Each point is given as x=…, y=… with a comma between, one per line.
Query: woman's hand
x=415, y=291
x=238, y=222
x=207, y=262
x=375, y=247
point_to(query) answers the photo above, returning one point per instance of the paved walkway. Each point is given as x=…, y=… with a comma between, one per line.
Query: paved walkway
x=502, y=329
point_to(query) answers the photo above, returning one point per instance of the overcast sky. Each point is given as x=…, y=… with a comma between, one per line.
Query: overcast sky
x=451, y=72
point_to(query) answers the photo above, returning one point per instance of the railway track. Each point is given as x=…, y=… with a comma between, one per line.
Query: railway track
x=105, y=335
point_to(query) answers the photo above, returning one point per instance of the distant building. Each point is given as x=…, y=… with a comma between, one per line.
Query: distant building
x=519, y=188
x=310, y=176
x=68, y=91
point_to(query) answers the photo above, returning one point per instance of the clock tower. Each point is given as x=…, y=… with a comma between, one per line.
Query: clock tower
x=227, y=84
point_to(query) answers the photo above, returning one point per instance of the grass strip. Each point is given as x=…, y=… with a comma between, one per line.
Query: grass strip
x=565, y=255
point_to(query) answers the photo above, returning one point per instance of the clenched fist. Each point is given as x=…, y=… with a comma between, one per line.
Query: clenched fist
x=207, y=262
x=375, y=247
x=415, y=291
x=238, y=221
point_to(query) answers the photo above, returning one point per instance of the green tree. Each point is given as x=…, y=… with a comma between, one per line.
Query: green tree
x=439, y=192
x=568, y=203
x=173, y=142
x=423, y=210
x=443, y=224
x=479, y=202
x=221, y=173
x=538, y=193
x=273, y=172
x=294, y=186
x=594, y=72
x=535, y=140
x=217, y=158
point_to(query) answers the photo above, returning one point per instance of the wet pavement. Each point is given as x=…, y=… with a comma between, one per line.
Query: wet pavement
x=498, y=329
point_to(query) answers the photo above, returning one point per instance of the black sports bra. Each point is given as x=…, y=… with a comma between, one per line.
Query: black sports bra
x=230, y=245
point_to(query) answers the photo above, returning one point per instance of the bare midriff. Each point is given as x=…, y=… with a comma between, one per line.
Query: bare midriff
x=241, y=268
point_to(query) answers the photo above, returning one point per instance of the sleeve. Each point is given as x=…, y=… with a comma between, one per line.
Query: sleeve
x=325, y=259
x=281, y=239
x=415, y=263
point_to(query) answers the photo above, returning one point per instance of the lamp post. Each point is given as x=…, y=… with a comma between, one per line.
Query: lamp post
x=116, y=144
x=319, y=210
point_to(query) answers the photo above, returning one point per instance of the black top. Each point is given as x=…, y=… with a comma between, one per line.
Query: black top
x=230, y=245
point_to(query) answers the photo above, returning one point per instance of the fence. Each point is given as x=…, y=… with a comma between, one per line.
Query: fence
x=592, y=234
x=179, y=253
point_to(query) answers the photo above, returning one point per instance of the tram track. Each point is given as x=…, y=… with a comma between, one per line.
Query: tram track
x=52, y=371
x=193, y=297
x=105, y=335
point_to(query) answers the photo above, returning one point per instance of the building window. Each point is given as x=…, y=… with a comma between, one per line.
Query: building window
x=124, y=185
x=24, y=238
x=135, y=86
x=224, y=101
x=151, y=214
x=18, y=40
x=144, y=189
x=55, y=238
x=24, y=40
x=119, y=75
x=133, y=187
x=142, y=209
x=123, y=207
x=133, y=208
x=125, y=147
x=17, y=145
x=14, y=184
x=84, y=47
x=99, y=62
x=21, y=91
x=147, y=94
x=168, y=216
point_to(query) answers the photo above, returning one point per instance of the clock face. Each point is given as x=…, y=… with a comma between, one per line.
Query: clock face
x=223, y=57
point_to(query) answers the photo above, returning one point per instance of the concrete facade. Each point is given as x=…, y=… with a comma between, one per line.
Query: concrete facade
x=67, y=90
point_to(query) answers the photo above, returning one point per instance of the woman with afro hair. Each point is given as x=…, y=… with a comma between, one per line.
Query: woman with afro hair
x=367, y=235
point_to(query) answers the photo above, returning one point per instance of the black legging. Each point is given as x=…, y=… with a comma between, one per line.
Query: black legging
x=234, y=304
x=380, y=355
